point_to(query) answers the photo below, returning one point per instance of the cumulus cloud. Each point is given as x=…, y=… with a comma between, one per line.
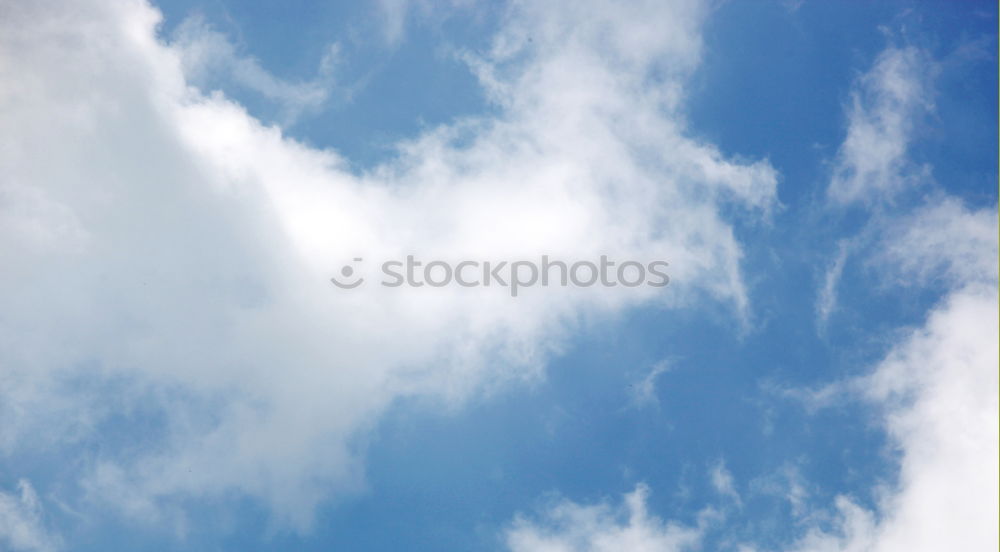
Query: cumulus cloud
x=940, y=390
x=872, y=164
x=167, y=256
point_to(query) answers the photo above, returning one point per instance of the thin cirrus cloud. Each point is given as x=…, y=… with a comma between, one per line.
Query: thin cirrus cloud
x=826, y=303
x=200, y=243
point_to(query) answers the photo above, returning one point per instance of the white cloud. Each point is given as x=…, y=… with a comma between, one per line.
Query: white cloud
x=936, y=394
x=21, y=522
x=937, y=387
x=938, y=390
x=941, y=242
x=173, y=253
x=872, y=163
x=567, y=526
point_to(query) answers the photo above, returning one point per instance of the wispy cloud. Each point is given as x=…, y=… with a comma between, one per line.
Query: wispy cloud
x=21, y=522
x=943, y=242
x=644, y=391
x=723, y=483
x=872, y=163
x=602, y=527
x=826, y=303
x=211, y=60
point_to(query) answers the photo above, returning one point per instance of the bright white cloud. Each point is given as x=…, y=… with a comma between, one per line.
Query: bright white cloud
x=872, y=163
x=171, y=252
x=939, y=388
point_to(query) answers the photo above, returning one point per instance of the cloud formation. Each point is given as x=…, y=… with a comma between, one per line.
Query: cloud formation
x=937, y=387
x=170, y=255
x=210, y=59
x=935, y=392
x=938, y=392
x=21, y=522
x=567, y=526
x=936, y=397
x=886, y=101
x=826, y=303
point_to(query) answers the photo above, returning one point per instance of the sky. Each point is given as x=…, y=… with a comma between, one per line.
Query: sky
x=182, y=180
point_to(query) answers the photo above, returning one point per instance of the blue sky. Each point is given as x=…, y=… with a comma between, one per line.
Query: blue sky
x=177, y=373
